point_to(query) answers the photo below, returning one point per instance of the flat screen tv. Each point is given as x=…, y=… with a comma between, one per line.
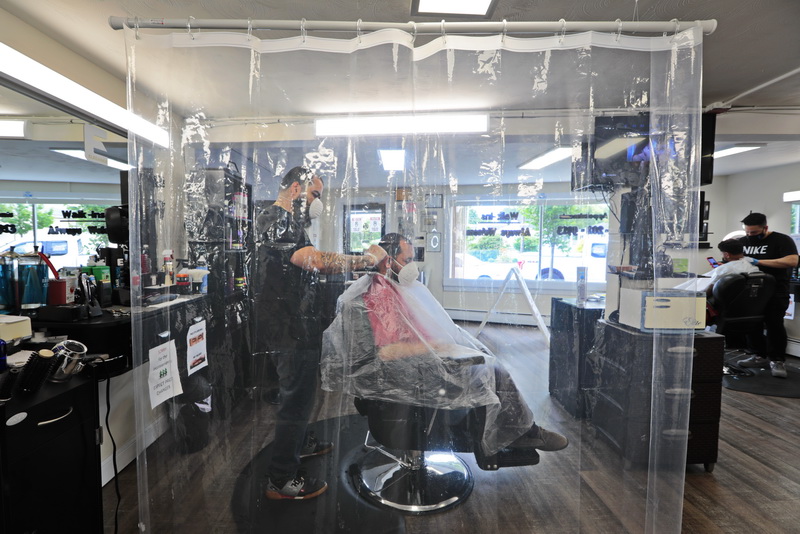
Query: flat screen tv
x=619, y=152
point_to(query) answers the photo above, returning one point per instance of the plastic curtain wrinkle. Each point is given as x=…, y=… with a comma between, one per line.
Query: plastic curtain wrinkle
x=241, y=114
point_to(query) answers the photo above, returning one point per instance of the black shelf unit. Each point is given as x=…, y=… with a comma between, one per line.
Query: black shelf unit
x=220, y=236
x=571, y=338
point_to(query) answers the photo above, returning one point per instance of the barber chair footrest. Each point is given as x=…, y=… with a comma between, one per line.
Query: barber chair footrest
x=442, y=481
x=507, y=457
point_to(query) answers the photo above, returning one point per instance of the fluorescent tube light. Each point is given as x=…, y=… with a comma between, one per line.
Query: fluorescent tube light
x=393, y=160
x=453, y=7
x=12, y=129
x=33, y=74
x=735, y=150
x=615, y=146
x=791, y=196
x=403, y=124
x=547, y=159
x=80, y=154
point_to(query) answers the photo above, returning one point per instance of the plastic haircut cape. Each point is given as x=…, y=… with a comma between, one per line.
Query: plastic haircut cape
x=423, y=358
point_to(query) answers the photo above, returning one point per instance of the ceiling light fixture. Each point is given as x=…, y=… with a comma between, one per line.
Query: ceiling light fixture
x=791, y=196
x=403, y=124
x=615, y=146
x=547, y=159
x=80, y=154
x=738, y=149
x=31, y=74
x=393, y=160
x=12, y=129
x=475, y=8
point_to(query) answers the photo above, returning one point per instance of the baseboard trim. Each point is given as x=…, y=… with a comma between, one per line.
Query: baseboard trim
x=793, y=347
x=127, y=452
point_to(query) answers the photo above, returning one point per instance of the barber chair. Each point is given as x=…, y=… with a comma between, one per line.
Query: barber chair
x=412, y=467
x=740, y=301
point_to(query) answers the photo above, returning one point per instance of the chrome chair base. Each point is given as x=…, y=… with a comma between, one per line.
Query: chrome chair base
x=418, y=483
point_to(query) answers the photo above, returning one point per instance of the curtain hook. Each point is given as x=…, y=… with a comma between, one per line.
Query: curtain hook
x=619, y=30
x=303, y=29
x=444, y=35
x=136, y=27
x=677, y=27
x=358, y=30
x=189, y=27
x=505, y=31
x=414, y=31
x=563, y=30
x=249, y=28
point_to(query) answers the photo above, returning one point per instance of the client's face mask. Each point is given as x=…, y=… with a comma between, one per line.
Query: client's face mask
x=408, y=273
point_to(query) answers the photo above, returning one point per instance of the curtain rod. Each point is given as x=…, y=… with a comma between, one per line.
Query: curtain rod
x=417, y=28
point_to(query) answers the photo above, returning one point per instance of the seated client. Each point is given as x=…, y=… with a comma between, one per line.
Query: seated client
x=733, y=260
x=392, y=341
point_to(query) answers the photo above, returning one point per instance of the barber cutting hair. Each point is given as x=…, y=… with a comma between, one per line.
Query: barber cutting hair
x=392, y=341
x=287, y=315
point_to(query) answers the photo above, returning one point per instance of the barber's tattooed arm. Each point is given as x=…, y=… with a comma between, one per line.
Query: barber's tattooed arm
x=338, y=263
x=310, y=259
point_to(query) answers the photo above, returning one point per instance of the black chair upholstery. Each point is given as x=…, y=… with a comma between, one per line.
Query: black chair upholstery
x=740, y=300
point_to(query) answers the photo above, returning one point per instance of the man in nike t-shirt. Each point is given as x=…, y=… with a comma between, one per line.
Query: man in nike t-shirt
x=776, y=254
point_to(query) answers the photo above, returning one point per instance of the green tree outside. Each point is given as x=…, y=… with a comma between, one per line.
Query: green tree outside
x=23, y=217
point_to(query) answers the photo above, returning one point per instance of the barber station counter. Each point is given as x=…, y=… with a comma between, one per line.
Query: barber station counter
x=49, y=459
x=112, y=334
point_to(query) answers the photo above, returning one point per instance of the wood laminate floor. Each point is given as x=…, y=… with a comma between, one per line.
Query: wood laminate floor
x=755, y=486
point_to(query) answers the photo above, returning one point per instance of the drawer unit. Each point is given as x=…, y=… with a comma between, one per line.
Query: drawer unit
x=620, y=399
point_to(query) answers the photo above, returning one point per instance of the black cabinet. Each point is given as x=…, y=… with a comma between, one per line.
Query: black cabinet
x=620, y=400
x=571, y=338
x=50, y=459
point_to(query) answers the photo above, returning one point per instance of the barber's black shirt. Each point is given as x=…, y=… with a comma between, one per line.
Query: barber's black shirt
x=774, y=246
x=286, y=311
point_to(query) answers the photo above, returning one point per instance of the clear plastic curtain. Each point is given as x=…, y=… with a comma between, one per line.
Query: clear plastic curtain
x=240, y=113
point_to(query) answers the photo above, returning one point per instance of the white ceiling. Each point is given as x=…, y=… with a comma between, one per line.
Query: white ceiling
x=755, y=43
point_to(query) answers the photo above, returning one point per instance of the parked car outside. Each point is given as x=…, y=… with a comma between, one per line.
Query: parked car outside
x=62, y=250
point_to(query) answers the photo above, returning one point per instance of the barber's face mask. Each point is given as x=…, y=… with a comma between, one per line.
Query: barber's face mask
x=315, y=209
x=306, y=213
x=408, y=273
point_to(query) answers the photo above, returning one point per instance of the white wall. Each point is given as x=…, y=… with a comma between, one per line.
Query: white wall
x=761, y=191
x=733, y=197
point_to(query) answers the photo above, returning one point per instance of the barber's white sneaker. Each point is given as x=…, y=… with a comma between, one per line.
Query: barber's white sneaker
x=754, y=361
x=778, y=369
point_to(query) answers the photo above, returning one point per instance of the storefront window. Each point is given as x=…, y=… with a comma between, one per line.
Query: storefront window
x=546, y=242
x=68, y=233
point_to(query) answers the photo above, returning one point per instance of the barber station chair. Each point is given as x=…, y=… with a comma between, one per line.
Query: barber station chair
x=410, y=463
x=740, y=301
